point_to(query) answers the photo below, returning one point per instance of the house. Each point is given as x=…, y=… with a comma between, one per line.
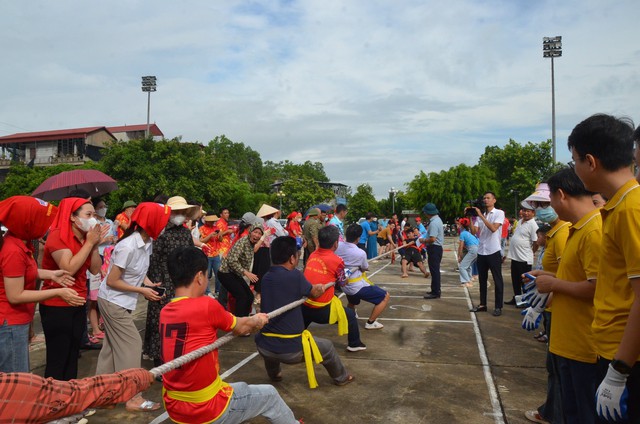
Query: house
x=73, y=146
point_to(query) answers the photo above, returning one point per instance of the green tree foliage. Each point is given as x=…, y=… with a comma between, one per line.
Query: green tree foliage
x=243, y=160
x=450, y=190
x=387, y=206
x=300, y=195
x=146, y=168
x=287, y=170
x=519, y=167
x=361, y=202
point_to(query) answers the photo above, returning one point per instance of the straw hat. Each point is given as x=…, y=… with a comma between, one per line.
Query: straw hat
x=211, y=218
x=266, y=210
x=178, y=203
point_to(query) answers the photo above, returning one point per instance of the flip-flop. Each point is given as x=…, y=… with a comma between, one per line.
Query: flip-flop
x=98, y=335
x=404, y=276
x=348, y=380
x=145, y=406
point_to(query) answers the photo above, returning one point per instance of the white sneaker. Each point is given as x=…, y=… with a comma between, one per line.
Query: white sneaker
x=358, y=348
x=375, y=325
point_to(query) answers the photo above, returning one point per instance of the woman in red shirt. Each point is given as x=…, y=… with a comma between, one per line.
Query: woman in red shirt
x=72, y=245
x=26, y=219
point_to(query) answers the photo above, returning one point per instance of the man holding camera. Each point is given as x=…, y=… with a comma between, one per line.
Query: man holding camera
x=487, y=227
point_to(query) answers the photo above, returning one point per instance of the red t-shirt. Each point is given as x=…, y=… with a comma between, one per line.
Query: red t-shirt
x=213, y=242
x=16, y=260
x=187, y=324
x=123, y=219
x=53, y=244
x=324, y=266
x=225, y=244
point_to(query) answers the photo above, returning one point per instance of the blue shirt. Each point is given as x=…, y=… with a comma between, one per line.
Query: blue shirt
x=281, y=287
x=365, y=232
x=336, y=221
x=468, y=238
x=436, y=229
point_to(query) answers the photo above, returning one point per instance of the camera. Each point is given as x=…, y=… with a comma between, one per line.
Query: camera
x=474, y=203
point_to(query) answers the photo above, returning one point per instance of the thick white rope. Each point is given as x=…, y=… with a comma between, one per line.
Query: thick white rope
x=184, y=359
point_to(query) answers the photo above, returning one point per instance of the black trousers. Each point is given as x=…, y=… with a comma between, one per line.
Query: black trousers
x=321, y=316
x=491, y=262
x=517, y=269
x=63, y=327
x=433, y=259
x=240, y=290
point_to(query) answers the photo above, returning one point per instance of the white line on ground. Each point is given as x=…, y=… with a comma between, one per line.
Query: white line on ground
x=450, y=321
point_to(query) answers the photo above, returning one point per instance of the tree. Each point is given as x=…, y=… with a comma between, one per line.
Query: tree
x=243, y=160
x=287, y=170
x=517, y=168
x=450, y=190
x=361, y=203
x=146, y=168
x=301, y=194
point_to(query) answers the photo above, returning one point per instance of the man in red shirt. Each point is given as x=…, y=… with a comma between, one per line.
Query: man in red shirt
x=224, y=233
x=324, y=266
x=195, y=392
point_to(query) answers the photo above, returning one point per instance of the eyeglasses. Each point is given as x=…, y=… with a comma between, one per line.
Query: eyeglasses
x=572, y=164
x=536, y=204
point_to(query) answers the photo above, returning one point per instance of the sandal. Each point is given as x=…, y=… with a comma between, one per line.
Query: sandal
x=145, y=406
x=346, y=381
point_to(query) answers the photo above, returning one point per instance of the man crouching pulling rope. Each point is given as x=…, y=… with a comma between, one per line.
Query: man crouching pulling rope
x=284, y=339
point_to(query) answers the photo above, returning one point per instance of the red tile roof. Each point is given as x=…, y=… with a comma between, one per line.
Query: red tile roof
x=153, y=129
x=75, y=133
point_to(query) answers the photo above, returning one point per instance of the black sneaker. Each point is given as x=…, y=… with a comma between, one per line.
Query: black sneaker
x=510, y=302
x=497, y=312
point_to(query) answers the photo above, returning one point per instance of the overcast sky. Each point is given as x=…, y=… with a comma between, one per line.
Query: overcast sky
x=375, y=90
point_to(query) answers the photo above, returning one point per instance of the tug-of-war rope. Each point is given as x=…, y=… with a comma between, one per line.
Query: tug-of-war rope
x=191, y=356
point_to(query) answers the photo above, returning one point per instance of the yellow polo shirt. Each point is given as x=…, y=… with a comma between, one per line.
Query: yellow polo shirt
x=572, y=317
x=556, y=241
x=620, y=262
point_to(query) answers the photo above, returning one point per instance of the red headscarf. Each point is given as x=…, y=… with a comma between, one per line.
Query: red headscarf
x=152, y=217
x=26, y=217
x=67, y=207
x=292, y=215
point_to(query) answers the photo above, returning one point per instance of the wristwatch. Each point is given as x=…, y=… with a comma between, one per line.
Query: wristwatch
x=621, y=366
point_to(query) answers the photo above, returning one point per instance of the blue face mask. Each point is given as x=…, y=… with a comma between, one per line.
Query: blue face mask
x=546, y=214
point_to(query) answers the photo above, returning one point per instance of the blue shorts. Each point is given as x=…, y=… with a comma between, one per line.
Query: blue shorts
x=371, y=294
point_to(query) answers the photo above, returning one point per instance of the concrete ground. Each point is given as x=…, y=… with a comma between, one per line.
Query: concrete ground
x=434, y=361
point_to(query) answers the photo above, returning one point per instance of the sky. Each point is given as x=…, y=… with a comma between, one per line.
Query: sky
x=375, y=90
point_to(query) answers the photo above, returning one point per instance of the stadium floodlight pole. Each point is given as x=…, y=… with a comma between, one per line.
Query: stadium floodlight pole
x=552, y=47
x=393, y=191
x=148, y=85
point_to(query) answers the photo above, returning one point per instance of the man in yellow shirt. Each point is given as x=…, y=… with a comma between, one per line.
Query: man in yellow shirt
x=602, y=151
x=573, y=287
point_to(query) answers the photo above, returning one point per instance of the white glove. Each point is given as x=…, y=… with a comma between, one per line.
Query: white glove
x=535, y=299
x=612, y=396
x=532, y=317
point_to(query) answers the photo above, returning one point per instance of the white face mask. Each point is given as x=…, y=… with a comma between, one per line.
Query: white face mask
x=87, y=224
x=178, y=219
x=102, y=212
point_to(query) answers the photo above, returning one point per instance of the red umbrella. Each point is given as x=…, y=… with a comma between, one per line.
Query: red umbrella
x=96, y=183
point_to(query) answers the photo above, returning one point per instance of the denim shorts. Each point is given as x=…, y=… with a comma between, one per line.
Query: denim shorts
x=14, y=348
x=371, y=294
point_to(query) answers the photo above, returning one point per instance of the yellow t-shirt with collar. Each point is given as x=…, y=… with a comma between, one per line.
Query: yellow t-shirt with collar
x=571, y=335
x=556, y=241
x=620, y=262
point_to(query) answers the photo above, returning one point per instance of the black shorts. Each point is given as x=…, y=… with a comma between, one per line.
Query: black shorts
x=383, y=242
x=412, y=255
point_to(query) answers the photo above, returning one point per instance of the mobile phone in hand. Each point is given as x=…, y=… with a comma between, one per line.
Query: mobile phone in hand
x=159, y=290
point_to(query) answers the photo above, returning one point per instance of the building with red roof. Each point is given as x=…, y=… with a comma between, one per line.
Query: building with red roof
x=72, y=146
